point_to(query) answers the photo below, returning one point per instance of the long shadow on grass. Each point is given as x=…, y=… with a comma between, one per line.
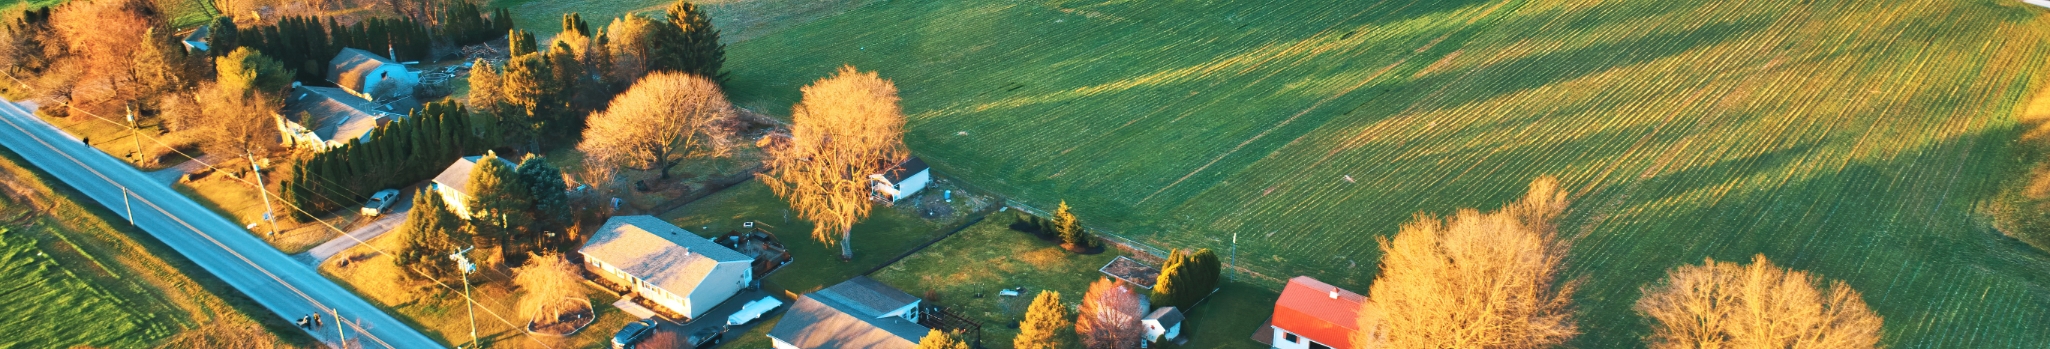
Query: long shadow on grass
x=1901, y=230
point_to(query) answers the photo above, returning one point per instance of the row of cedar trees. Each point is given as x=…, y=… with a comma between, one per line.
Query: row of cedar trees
x=306, y=44
x=1492, y=280
x=402, y=153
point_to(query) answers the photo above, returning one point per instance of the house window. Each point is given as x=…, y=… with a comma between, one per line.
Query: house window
x=1290, y=337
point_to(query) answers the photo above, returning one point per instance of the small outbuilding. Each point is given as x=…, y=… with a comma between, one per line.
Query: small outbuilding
x=198, y=41
x=668, y=266
x=1164, y=323
x=901, y=181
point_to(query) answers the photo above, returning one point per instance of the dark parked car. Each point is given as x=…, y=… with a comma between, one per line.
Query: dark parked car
x=707, y=337
x=633, y=333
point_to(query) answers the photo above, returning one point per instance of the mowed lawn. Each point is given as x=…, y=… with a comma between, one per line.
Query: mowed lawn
x=1849, y=138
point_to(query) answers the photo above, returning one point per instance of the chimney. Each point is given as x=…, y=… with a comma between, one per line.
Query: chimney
x=1334, y=293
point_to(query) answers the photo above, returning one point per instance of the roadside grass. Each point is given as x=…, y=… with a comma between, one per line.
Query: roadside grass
x=79, y=276
x=112, y=136
x=440, y=312
x=1852, y=139
x=886, y=234
x=237, y=200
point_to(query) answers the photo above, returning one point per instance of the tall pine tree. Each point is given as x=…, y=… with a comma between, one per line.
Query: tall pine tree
x=1070, y=229
x=431, y=233
x=500, y=207
x=689, y=43
x=1186, y=278
x=551, y=203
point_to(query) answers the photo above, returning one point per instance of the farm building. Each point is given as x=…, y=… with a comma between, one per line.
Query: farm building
x=902, y=181
x=453, y=182
x=365, y=74
x=666, y=265
x=1313, y=315
x=322, y=118
x=858, y=313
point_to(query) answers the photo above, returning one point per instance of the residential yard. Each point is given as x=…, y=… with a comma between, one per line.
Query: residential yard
x=965, y=272
x=71, y=265
x=439, y=312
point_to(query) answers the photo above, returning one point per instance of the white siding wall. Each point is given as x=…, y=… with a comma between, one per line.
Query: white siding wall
x=911, y=185
x=726, y=279
x=1281, y=340
x=456, y=201
x=780, y=344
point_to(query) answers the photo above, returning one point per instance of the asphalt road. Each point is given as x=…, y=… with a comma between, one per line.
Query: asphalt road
x=288, y=288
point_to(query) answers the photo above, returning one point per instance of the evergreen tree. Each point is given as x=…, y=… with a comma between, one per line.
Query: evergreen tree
x=529, y=88
x=484, y=86
x=500, y=207
x=574, y=23
x=551, y=202
x=222, y=36
x=247, y=70
x=520, y=42
x=1186, y=278
x=1070, y=230
x=1046, y=325
x=936, y=339
x=689, y=43
x=431, y=233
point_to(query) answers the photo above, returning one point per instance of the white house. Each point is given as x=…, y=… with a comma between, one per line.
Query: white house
x=363, y=73
x=1314, y=315
x=322, y=118
x=1163, y=323
x=668, y=266
x=453, y=184
x=903, y=180
x=858, y=313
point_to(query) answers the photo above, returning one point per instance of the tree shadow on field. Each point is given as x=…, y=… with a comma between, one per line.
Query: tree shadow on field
x=1901, y=230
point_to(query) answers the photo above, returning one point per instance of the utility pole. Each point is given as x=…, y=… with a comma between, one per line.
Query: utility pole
x=268, y=214
x=463, y=262
x=132, y=133
x=341, y=338
x=1234, y=256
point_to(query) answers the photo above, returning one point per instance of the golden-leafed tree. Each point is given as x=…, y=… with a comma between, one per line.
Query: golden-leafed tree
x=551, y=284
x=936, y=339
x=234, y=124
x=847, y=127
x=1109, y=316
x=1725, y=305
x=663, y=119
x=632, y=44
x=1046, y=324
x=1475, y=280
x=102, y=36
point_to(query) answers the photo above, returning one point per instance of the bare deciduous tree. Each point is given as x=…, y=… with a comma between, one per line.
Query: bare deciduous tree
x=1474, y=280
x=1725, y=305
x=231, y=123
x=1109, y=316
x=101, y=35
x=549, y=282
x=663, y=119
x=847, y=127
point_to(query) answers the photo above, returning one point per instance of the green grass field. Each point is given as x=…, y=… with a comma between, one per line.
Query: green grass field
x=76, y=275
x=1849, y=138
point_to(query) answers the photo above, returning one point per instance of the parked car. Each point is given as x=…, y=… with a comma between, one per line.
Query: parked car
x=633, y=333
x=380, y=202
x=707, y=337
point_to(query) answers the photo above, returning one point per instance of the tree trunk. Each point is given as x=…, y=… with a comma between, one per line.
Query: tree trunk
x=846, y=247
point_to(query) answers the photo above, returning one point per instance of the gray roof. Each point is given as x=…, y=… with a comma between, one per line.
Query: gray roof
x=905, y=169
x=343, y=116
x=349, y=67
x=1166, y=316
x=827, y=319
x=659, y=253
x=867, y=297
x=457, y=175
x=198, y=39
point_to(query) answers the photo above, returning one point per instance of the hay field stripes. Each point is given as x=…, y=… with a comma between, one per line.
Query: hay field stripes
x=1850, y=138
x=45, y=298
